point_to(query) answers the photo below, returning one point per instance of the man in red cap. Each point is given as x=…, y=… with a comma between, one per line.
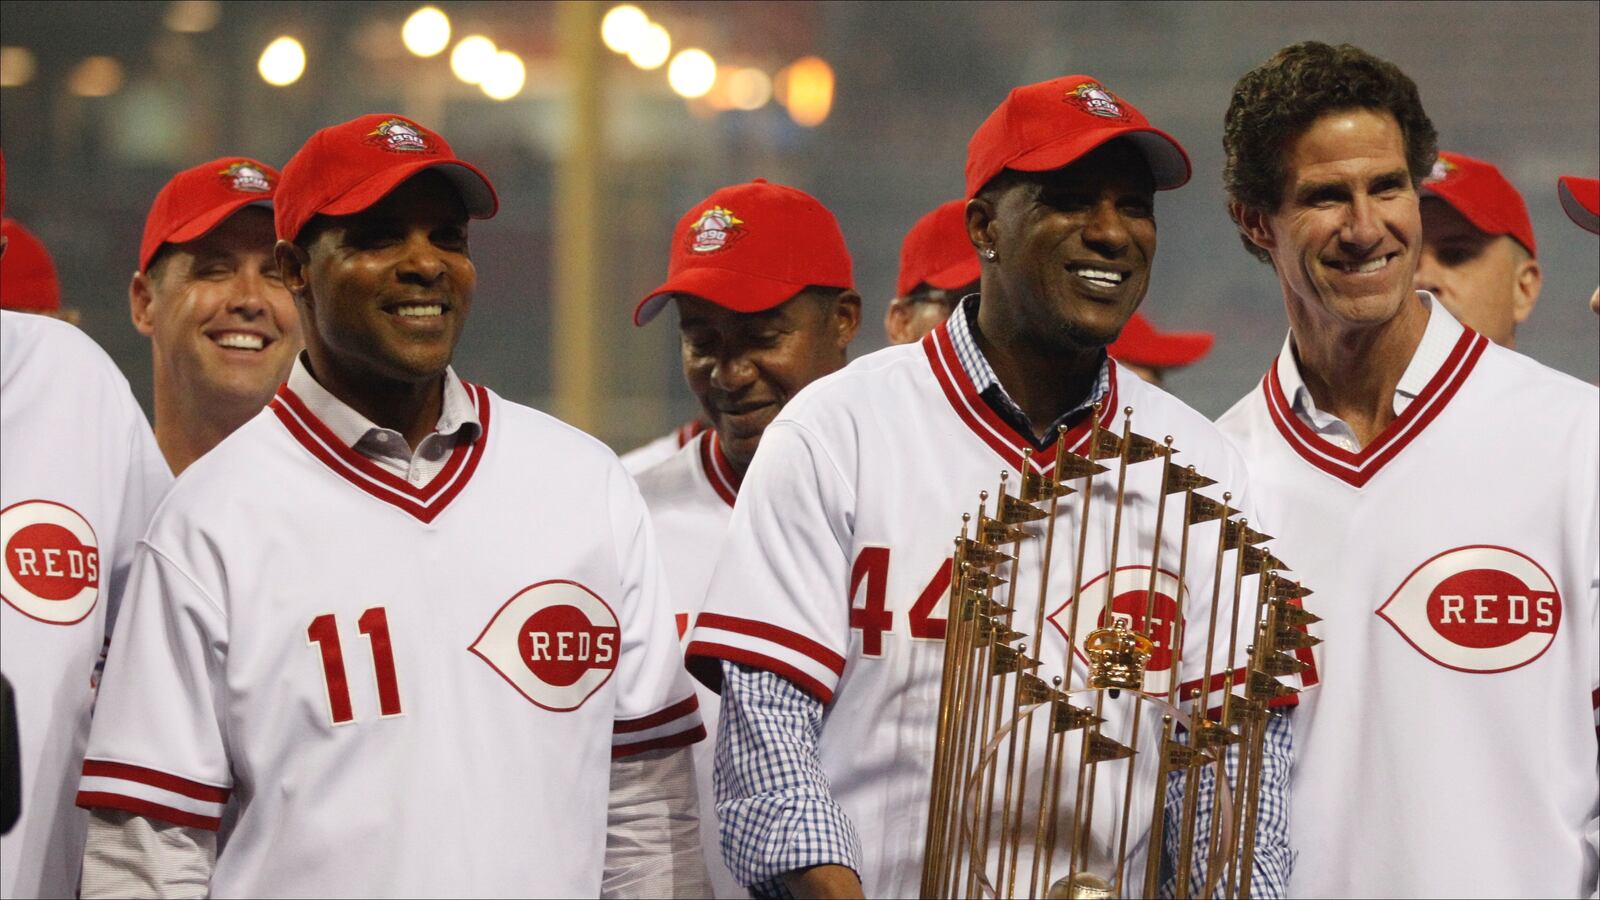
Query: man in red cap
x=824, y=623
x=1150, y=353
x=80, y=475
x=414, y=636
x=1580, y=198
x=938, y=266
x=223, y=330
x=28, y=281
x=1478, y=252
x=761, y=279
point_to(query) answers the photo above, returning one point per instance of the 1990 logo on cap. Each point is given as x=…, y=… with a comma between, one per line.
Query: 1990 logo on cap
x=716, y=229
x=1096, y=100
x=1477, y=609
x=1442, y=169
x=242, y=176
x=398, y=134
x=556, y=642
x=52, y=562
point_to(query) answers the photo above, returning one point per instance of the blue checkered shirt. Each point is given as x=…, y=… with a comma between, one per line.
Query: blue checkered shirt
x=777, y=811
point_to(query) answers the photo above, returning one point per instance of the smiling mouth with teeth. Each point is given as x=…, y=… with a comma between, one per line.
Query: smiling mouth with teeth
x=238, y=340
x=419, y=310
x=1101, y=277
x=1361, y=268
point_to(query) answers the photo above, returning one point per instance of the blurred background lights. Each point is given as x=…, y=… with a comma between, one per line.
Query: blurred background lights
x=749, y=89
x=96, y=76
x=651, y=48
x=16, y=66
x=426, y=32
x=283, y=62
x=472, y=57
x=504, y=76
x=806, y=88
x=692, y=73
x=622, y=27
x=192, y=16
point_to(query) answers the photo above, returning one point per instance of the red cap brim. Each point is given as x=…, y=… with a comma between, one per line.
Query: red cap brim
x=737, y=291
x=1169, y=164
x=959, y=275
x=476, y=192
x=1164, y=351
x=201, y=225
x=1580, y=198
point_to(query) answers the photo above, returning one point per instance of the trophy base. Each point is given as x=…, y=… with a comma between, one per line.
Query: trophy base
x=1082, y=886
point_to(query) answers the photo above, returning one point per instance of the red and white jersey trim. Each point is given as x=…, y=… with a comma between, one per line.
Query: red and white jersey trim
x=689, y=430
x=1357, y=468
x=424, y=502
x=151, y=793
x=813, y=667
x=985, y=423
x=717, y=468
x=677, y=725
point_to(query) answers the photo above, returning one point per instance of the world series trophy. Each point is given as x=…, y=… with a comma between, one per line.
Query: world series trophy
x=995, y=830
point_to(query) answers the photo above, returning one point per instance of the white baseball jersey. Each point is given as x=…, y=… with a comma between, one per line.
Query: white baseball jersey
x=690, y=497
x=80, y=474
x=1449, y=749
x=407, y=690
x=662, y=448
x=837, y=564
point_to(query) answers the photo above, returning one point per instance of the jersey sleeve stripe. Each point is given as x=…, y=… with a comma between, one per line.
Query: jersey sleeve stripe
x=788, y=640
x=681, y=739
x=818, y=687
x=206, y=793
x=685, y=707
x=139, y=807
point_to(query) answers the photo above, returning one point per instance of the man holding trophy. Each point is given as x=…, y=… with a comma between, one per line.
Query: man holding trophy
x=1000, y=720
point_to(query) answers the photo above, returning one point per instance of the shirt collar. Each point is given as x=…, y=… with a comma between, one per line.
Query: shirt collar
x=963, y=328
x=1438, y=339
x=457, y=414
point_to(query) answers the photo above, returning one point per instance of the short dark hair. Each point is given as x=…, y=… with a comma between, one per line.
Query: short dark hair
x=1278, y=100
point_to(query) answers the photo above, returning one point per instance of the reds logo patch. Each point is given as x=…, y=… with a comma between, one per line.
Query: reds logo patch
x=1096, y=101
x=52, y=562
x=716, y=229
x=246, y=178
x=1132, y=587
x=398, y=134
x=1477, y=609
x=556, y=642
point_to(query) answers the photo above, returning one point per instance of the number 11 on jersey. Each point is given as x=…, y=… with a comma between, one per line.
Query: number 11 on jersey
x=323, y=632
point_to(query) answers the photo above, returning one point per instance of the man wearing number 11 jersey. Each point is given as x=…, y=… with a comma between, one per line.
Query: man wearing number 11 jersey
x=415, y=635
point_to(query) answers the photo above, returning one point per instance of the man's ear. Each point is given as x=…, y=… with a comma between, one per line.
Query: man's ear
x=292, y=261
x=981, y=228
x=896, y=318
x=141, y=297
x=1525, y=292
x=846, y=319
x=1252, y=224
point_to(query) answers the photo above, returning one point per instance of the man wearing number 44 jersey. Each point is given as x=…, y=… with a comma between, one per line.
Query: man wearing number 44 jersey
x=1441, y=491
x=825, y=617
x=761, y=280
x=416, y=634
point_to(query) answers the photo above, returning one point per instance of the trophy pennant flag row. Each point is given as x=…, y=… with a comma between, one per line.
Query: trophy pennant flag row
x=1033, y=779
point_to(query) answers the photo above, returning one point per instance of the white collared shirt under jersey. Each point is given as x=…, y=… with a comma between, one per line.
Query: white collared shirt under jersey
x=458, y=423
x=1437, y=341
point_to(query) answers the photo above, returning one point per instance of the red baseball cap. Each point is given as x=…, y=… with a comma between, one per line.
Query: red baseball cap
x=938, y=252
x=750, y=247
x=1051, y=124
x=27, y=275
x=1479, y=192
x=344, y=169
x=1140, y=344
x=1580, y=197
x=199, y=199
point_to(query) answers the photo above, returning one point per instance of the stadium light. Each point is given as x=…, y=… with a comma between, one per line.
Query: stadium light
x=652, y=47
x=808, y=90
x=283, y=62
x=426, y=32
x=472, y=57
x=96, y=76
x=692, y=73
x=504, y=77
x=622, y=27
x=749, y=89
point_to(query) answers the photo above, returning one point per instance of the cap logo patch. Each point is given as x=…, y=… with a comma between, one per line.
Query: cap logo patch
x=1442, y=169
x=246, y=177
x=398, y=134
x=1096, y=101
x=716, y=229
